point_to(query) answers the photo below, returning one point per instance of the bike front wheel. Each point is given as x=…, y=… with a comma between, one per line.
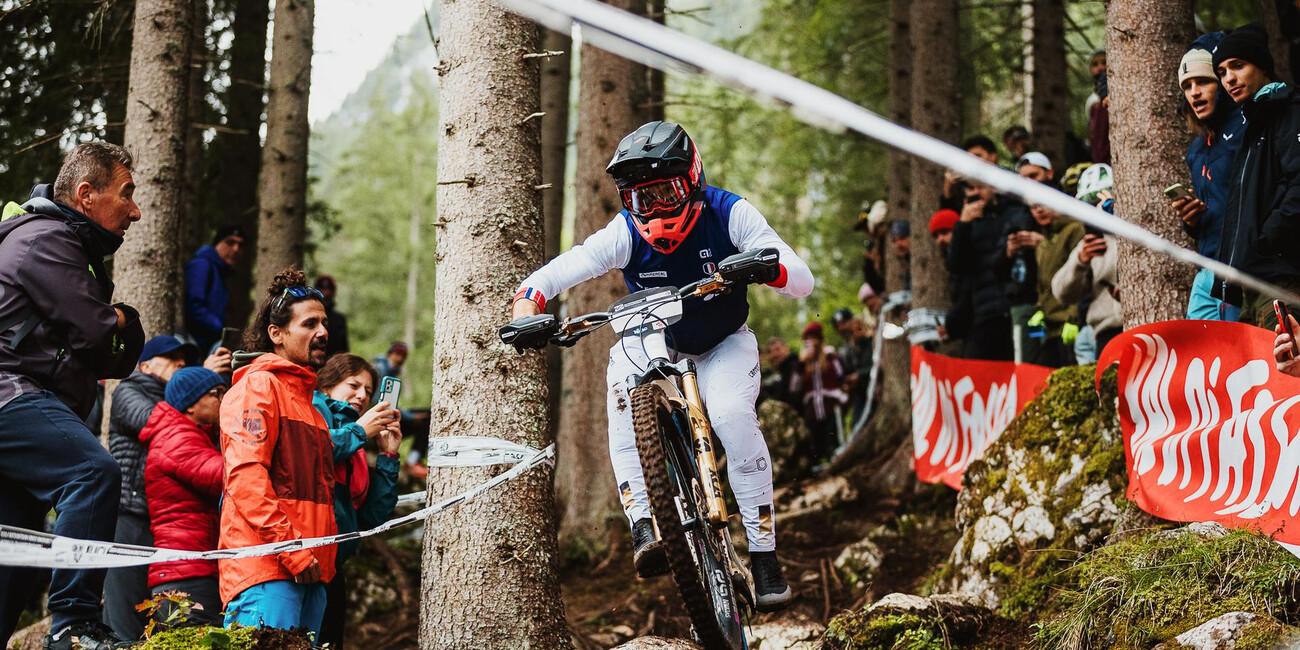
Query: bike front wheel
x=695, y=557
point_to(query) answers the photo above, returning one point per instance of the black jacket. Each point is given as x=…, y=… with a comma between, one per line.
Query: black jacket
x=52, y=267
x=133, y=402
x=1261, y=228
x=978, y=255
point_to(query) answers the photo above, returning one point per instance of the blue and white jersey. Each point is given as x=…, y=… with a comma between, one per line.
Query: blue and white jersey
x=727, y=225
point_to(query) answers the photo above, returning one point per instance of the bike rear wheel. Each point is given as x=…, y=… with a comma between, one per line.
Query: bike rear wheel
x=698, y=564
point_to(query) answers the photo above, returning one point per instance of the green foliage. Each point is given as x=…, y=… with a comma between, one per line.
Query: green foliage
x=1158, y=585
x=861, y=631
x=203, y=638
x=380, y=173
x=178, y=606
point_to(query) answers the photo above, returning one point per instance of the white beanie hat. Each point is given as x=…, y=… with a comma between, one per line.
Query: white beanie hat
x=1196, y=64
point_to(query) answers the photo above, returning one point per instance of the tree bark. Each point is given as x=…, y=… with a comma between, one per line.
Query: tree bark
x=489, y=566
x=191, y=210
x=240, y=146
x=1145, y=41
x=555, y=148
x=282, y=189
x=891, y=414
x=145, y=268
x=1278, y=44
x=1047, y=94
x=611, y=91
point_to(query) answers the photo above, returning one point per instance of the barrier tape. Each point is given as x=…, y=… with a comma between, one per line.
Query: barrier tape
x=26, y=548
x=652, y=44
x=469, y=451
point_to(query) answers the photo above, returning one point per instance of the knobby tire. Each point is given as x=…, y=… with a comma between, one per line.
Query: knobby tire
x=651, y=411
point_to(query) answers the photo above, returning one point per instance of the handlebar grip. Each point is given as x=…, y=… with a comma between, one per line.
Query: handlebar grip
x=530, y=332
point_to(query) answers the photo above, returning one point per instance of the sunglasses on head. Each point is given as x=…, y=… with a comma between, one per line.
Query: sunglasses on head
x=298, y=293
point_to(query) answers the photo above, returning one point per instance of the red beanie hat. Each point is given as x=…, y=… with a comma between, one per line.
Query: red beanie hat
x=812, y=329
x=943, y=220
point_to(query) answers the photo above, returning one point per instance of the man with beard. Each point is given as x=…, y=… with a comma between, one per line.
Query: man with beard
x=278, y=465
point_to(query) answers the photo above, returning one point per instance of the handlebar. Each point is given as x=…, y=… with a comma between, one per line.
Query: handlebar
x=536, y=332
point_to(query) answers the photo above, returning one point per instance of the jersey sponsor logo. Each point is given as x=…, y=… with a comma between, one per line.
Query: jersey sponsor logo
x=710, y=268
x=706, y=253
x=653, y=274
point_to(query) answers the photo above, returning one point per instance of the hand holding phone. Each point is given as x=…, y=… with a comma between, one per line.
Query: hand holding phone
x=390, y=390
x=1286, y=352
x=1177, y=191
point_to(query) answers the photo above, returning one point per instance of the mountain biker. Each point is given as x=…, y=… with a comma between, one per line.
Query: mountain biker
x=673, y=230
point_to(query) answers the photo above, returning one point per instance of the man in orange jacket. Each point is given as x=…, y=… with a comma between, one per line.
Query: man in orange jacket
x=278, y=465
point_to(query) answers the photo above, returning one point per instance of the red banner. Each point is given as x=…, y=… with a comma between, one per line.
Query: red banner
x=960, y=406
x=1210, y=428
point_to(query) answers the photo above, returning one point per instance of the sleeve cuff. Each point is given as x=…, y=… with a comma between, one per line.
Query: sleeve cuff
x=534, y=295
x=782, y=277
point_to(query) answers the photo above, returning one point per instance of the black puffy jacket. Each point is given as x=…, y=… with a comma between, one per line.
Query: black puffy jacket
x=133, y=401
x=978, y=255
x=1261, y=228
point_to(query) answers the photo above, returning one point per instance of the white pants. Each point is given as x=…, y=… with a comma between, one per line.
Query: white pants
x=729, y=380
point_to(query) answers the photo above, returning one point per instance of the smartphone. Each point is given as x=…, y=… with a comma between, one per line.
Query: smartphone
x=232, y=338
x=1282, y=312
x=1177, y=191
x=390, y=390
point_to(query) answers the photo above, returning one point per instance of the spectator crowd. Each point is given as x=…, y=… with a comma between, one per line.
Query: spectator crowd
x=1031, y=286
x=218, y=437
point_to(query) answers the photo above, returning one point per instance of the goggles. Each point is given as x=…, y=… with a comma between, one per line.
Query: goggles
x=655, y=195
x=298, y=293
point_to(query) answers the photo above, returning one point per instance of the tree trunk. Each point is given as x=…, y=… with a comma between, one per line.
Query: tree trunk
x=934, y=22
x=555, y=149
x=891, y=418
x=1278, y=44
x=610, y=93
x=411, y=312
x=240, y=146
x=1047, y=95
x=1145, y=41
x=489, y=577
x=145, y=269
x=653, y=108
x=191, y=210
x=282, y=190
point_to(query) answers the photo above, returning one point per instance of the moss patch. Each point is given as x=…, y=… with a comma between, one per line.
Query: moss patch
x=202, y=637
x=1158, y=585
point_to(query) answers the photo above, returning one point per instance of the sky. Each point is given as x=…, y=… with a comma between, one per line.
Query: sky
x=351, y=39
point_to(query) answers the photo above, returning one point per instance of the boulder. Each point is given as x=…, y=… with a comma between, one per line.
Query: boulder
x=657, y=643
x=907, y=621
x=1049, y=488
x=1237, y=630
x=786, y=434
x=31, y=637
x=814, y=497
x=858, y=563
x=791, y=632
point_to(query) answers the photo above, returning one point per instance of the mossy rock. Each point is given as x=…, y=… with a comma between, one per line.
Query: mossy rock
x=1155, y=586
x=203, y=637
x=1048, y=489
x=909, y=622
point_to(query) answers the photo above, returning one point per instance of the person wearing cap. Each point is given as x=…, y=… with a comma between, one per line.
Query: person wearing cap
x=819, y=382
x=1016, y=139
x=183, y=478
x=206, y=275
x=1216, y=123
x=1262, y=224
x=941, y=224
x=1035, y=166
x=390, y=365
x=855, y=356
x=133, y=400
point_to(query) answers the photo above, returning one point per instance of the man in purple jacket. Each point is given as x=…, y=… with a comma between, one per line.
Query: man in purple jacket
x=59, y=334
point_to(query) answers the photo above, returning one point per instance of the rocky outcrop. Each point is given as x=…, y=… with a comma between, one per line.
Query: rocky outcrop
x=1048, y=489
x=791, y=632
x=1237, y=631
x=907, y=621
x=657, y=643
x=858, y=563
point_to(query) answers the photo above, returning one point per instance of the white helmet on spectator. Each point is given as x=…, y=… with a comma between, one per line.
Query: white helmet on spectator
x=1093, y=180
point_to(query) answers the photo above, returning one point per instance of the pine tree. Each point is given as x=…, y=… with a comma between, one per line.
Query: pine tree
x=146, y=268
x=282, y=187
x=1046, y=90
x=555, y=149
x=1145, y=41
x=612, y=91
x=489, y=578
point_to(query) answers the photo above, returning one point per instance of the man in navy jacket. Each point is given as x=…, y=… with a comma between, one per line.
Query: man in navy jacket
x=206, y=296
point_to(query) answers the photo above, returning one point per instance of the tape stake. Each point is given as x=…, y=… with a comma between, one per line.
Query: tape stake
x=27, y=548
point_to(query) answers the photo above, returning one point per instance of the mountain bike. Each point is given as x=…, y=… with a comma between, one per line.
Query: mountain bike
x=675, y=441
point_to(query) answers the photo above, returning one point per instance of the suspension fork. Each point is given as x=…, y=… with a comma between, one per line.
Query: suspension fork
x=702, y=440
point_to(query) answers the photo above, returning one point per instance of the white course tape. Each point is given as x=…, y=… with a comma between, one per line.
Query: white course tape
x=469, y=451
x=649, y=43
x=20, y=547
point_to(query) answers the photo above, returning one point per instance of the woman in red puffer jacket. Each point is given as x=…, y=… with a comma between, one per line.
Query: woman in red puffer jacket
x=182, y=483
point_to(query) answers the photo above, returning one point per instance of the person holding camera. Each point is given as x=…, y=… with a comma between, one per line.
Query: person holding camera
x=59, y=334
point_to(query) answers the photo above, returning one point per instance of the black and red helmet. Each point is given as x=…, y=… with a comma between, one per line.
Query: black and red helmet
x=660, y=181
